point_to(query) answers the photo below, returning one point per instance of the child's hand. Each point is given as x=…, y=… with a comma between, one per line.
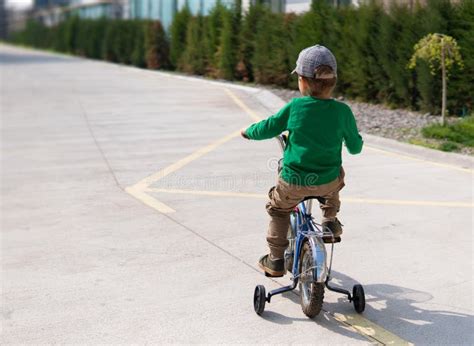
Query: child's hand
x=243, y=134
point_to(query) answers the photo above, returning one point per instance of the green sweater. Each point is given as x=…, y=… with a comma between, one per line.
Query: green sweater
x=316, y=129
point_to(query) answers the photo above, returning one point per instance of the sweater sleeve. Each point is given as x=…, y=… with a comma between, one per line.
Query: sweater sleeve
x=270, y=127
x=352, y=138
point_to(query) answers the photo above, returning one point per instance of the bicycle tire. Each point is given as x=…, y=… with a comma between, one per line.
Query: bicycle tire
x=311, y=293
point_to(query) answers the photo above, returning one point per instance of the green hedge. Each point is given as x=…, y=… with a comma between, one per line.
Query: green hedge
x=134, y=42
x=372, y=45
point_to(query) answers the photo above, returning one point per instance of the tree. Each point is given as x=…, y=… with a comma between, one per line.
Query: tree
x=434, y=17
x=345, y=50
x=138, y=53
x=398, y=34
x=226, y=55
x=108, y=44
x=123, y=41
x=97, y=37
x=215, y=24
x=461, y=100
x=72, y=28
x=247, y=41
x=226, y=52
x=178, y=32
x=368, y=76
x=156, y=46
x=270, y=61
x=207, y=49
x=193, y=59
x=441, y=52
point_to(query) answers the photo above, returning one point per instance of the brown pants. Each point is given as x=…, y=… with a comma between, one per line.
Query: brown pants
x=283, y=199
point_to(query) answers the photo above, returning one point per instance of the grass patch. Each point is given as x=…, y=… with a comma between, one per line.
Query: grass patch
x=449, y=146
x=423, y=143
x=453, y=135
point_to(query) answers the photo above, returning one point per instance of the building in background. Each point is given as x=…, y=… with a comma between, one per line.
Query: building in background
x=299, y=6
x=39, y=4
x=51, y=12
x=3, y=20
x=162, y=10
x=275, y=5
x=165, y=10
x=94, y=9
x=16, y=19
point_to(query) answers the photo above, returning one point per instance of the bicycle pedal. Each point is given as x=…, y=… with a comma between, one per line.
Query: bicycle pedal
x=273, y=276
x=331, y=240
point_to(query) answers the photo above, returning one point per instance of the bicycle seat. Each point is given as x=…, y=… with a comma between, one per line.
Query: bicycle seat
x=319, y=198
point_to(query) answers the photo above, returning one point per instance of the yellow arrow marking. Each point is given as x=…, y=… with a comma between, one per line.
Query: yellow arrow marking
x=140, y=189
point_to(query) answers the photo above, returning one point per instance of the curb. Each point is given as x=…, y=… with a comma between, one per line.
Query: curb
x=463, y=161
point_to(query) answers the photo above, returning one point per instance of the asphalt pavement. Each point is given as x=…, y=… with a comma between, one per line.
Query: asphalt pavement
x=132, y=212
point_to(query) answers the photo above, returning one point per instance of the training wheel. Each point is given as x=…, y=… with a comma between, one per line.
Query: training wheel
x=358, y=298
x=259, y=299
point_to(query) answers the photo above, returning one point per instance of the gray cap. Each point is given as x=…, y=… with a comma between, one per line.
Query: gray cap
x=312, y=57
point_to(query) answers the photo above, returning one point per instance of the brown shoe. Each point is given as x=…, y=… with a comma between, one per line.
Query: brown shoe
x=272, y=268
x=335, y=227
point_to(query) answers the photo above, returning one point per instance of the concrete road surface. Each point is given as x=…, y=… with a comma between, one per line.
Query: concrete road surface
x=132, y=212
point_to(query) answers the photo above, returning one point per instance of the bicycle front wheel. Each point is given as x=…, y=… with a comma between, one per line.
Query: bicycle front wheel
x=312, y=293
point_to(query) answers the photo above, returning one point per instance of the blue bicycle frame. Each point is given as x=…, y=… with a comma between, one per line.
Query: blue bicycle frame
x=305, y=230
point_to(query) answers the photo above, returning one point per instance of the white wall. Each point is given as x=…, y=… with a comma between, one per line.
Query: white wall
x=297, y=6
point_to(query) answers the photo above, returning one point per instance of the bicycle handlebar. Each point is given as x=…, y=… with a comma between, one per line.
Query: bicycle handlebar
x=282, y=139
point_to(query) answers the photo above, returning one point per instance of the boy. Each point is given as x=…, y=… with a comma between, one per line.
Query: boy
x=317, y=126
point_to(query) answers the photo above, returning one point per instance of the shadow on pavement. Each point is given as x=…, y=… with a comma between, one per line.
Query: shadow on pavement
x=13, y=59
x=395, y=309
x=322, y=320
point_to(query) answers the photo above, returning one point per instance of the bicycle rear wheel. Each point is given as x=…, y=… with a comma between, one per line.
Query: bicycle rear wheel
x=312, y=293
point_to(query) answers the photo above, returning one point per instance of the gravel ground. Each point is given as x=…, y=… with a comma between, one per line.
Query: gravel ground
x=399, y=124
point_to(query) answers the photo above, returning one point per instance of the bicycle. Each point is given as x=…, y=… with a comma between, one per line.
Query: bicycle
x=306, y=260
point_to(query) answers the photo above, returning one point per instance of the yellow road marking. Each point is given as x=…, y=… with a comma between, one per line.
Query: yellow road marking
x=370, y=329
x=140, y=189
x=408, y=157
x=345, y=199
x=242, y=105
x=144, y=183
x=148, y=200
x=209, y=193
